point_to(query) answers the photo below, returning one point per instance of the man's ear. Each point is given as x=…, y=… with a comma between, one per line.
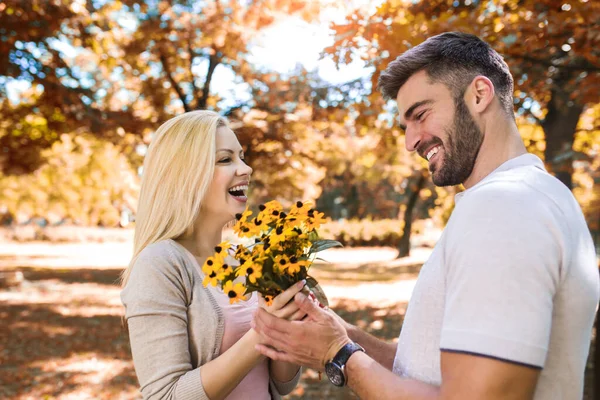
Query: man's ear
x=480, y=94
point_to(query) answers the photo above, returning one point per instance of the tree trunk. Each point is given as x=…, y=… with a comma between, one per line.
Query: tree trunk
x=559, y=128
x=404, y=244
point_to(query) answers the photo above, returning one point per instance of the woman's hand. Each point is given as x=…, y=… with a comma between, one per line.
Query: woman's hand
x=284, y=306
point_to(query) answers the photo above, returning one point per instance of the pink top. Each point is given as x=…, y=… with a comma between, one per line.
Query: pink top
x=255, y=386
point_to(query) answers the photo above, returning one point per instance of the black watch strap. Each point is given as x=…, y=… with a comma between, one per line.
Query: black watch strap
x=342, y=356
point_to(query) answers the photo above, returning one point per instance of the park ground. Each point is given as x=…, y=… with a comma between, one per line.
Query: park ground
x=62, y=335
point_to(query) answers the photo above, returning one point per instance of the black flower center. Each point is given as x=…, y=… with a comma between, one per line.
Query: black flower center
x=299, y=204
x=213, y=274
x=232, y=294
x=250, y=271
x=218, y=249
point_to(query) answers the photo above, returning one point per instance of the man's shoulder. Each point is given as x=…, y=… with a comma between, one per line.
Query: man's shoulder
x=526, y=188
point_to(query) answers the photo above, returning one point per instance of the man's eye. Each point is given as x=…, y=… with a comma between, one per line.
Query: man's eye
x=420, y=115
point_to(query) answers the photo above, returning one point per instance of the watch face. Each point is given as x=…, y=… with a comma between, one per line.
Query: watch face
x=335, y=374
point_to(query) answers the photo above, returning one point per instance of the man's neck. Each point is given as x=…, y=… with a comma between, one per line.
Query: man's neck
x=499, y=146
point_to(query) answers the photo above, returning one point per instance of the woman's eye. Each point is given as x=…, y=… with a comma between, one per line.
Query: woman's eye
x=224, y=160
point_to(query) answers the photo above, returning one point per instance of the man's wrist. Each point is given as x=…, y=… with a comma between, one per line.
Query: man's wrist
x=334, y=349
x=353, y=364
x=352, y=332
x=336, y=367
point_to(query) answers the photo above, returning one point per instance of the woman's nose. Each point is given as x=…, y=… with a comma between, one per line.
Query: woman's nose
x=245, y=169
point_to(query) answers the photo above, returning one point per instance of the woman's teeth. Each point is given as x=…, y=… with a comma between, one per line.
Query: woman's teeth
x=432, y=152
x=239, y=190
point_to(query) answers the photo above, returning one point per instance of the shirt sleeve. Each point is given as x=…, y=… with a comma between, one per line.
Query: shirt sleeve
x=284, y=388
x=503, y=259
x=156, y=299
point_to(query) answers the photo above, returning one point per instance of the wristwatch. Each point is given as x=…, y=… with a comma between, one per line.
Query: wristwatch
x=336, y=367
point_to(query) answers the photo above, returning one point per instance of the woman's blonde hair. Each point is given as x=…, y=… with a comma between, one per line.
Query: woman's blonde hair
x=178, y=169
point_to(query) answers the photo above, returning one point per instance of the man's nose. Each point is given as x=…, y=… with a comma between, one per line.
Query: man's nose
x=412, y=138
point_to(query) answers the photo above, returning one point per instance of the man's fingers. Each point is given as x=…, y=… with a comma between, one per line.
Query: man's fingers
x=264, y=319
x=272, y=330
x=308, y=306
x=274, y=354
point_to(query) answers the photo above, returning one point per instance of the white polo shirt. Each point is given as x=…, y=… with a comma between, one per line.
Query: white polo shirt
x=513, y=277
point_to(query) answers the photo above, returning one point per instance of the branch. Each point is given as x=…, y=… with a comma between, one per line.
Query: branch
x=195, y=89
x=180, y=93
x=213, y=61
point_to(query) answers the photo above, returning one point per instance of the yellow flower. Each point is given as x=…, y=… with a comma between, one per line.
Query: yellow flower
x=241, y=228
x=225, y=270
x=211, y=279
x=211, y=264
x=295, y=265
x=255, y=227
x=250, y=269
x=242, y=218
x=300, y=208
x=282, y=261
x=221, y=250
x=259, y=253
x=270, y=212
x=241, y=252
x=268, y=299
x=235, y=292
x=315, y=220
x=277, y=235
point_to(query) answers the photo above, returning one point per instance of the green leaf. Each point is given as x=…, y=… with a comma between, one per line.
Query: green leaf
x=324, y=244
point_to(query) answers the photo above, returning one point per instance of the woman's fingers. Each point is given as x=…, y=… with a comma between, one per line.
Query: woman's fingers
x=281, y=300
x=287, y=311
x=297, y=316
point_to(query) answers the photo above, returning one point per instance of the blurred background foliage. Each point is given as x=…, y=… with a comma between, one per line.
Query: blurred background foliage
x=95, y=78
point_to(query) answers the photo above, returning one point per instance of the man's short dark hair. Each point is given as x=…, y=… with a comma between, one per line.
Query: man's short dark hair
x=454, y=59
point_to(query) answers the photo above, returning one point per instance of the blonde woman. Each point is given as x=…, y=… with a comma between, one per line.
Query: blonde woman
x=187, y=341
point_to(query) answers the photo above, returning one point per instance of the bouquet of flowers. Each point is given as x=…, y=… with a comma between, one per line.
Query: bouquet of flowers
x=284, y=248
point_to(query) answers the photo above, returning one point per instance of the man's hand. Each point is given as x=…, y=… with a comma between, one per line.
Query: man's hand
x=310, y=342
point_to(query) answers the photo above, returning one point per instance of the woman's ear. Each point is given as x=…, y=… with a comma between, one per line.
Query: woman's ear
x=480, y=94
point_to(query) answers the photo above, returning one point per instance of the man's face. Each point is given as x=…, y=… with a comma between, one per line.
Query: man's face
x=441, y=131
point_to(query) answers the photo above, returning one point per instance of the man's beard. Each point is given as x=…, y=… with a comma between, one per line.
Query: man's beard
x=463, y=142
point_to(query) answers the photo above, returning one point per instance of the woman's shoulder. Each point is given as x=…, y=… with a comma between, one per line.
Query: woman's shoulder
x=164, y=253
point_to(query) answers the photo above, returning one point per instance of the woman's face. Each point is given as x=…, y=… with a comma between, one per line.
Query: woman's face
x=226, y=195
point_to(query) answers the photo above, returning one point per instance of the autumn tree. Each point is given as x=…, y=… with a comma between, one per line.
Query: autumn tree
x=551, y=47
x=111, y=68
x=36, y=38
